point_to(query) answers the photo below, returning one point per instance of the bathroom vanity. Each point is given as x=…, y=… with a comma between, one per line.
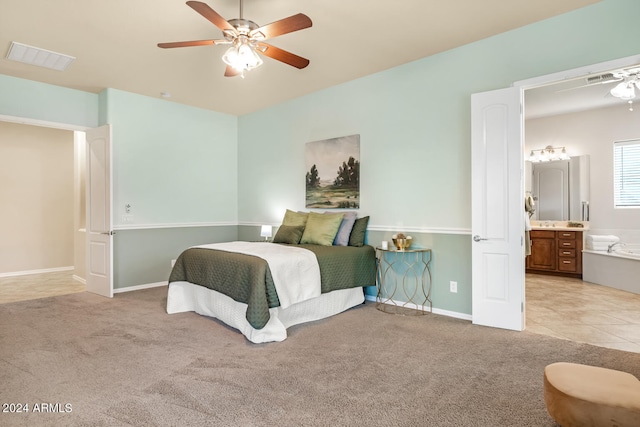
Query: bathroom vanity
x=556, y=251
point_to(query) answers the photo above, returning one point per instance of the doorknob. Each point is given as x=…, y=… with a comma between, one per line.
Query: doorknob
x=477, y=238
x=108, y=233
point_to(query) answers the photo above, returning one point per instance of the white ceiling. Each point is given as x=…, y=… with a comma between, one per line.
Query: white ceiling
x=114, y=42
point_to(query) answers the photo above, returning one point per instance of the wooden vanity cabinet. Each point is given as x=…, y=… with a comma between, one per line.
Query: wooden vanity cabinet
x=544, y=255
x=555, y=252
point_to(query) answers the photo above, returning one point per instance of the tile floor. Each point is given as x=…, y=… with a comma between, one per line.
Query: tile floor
x=34, y=286
x=581, y=311
x=556, y=306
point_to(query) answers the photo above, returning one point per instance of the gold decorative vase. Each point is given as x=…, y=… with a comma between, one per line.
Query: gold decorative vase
x=401, y=242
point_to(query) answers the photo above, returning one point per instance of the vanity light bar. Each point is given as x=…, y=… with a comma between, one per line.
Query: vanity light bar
x=548, y=154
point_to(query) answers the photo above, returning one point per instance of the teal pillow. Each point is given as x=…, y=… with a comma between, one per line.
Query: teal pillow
x=295, y=218
x=321, y=229
x=358, y=232
x=288, y=234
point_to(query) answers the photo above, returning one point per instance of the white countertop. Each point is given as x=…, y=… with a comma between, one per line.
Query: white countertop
x=558, y=226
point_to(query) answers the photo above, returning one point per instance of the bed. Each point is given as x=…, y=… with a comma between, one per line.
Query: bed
x=243, y=284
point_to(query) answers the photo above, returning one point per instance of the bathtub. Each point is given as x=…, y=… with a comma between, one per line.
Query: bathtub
x=628, y=251
x=619, y=269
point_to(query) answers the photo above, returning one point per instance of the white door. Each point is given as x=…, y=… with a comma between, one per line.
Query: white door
x=99, y=233
x=497, y=219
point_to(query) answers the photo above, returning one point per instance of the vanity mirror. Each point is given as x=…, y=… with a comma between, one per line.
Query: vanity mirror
x=560, y=189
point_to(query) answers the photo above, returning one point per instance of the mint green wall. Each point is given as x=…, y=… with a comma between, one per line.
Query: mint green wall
x=40, y=101
x=414, y=126
x=172, y=163
x=175, y=166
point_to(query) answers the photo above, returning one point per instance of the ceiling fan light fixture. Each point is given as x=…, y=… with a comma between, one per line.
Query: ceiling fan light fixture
x=230, y=57
x=242, y=57
x=249, y=57
x=625, y=90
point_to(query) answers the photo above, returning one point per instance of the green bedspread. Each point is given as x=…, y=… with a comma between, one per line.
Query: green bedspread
x=247, y=278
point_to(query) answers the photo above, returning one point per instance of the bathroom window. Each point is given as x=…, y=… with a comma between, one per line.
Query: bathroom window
x=626, y=173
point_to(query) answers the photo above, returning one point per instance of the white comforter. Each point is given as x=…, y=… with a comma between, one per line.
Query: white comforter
x=295, y=271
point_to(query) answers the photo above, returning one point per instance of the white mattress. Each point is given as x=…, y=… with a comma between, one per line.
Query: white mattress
x=185, y=296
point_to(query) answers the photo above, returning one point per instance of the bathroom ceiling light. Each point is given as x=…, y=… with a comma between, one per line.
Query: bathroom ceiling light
x=548, y=154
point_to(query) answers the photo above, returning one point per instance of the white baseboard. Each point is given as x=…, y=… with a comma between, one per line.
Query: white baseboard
x=27, y=272
x=439, y=311
x=140, y=287
x=455, y=314
x=79, y=279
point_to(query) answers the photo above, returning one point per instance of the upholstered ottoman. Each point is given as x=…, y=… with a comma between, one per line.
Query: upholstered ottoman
x=581, y=395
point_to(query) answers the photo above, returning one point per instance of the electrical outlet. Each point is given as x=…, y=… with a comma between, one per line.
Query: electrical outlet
x=453, y=286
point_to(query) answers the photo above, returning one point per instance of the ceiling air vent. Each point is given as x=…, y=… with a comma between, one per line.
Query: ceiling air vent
x=40, y=57
x=602, y=78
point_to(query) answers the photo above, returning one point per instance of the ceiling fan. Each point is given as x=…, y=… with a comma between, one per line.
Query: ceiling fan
x=625, y=80
x=247, y=39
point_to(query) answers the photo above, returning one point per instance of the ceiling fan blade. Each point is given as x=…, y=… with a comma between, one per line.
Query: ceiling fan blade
x=283, y=26
x=230, y=71
x=211, y=15
x=282, y=55
x=190, y=43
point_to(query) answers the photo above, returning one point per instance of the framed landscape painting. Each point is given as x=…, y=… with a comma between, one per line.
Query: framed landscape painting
x=333, y=173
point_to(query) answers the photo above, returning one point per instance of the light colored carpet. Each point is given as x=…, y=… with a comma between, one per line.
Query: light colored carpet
x=124, y=361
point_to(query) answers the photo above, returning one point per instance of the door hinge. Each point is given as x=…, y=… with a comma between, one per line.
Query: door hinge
x=522, y=307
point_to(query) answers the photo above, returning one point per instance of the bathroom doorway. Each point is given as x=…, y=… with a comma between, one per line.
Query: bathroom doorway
x=580, y=115
x=43, y=238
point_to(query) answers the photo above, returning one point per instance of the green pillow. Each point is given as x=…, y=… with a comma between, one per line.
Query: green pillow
x=321, y=229
x=358, y=231
x=288, y=234
x=295, y=218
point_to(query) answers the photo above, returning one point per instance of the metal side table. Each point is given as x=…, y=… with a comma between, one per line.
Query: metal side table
x=406, y=275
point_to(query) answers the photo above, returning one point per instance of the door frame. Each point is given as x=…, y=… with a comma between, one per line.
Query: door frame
x=63, y=126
